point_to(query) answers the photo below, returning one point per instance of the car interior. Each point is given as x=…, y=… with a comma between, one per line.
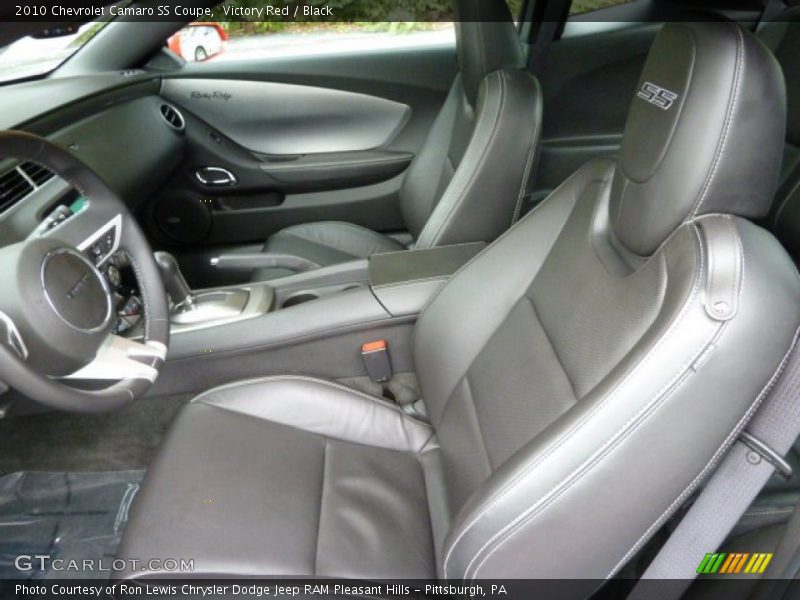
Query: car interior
x=494, y=308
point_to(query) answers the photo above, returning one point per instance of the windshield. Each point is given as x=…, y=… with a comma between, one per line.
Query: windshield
x=29, y=57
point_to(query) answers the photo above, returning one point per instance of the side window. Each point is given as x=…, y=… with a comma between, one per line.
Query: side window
x=580, y=7
x=199, y=41
x=241, y=32
x=516, y=7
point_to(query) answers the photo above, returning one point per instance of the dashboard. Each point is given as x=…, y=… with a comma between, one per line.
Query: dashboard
x=117, y=124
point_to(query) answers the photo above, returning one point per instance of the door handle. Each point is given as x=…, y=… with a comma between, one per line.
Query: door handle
x=216, y=177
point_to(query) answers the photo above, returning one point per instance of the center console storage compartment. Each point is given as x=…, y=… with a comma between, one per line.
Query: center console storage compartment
x=404, y=282
x=413, y=265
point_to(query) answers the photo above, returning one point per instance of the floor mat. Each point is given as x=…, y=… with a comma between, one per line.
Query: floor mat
x=69, y=442
x=68, y=516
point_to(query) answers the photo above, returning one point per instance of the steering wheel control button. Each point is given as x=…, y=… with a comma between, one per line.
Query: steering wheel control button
x=103, y=243
x=113, y=276
x=76, y=290
x=103, y=247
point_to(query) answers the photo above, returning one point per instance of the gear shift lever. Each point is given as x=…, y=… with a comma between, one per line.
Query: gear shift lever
x=176, y=286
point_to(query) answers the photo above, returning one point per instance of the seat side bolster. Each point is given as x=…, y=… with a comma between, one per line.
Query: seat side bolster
x=661, y=422
x=488, y=187
x=330, y=242
x=486, y=288
x=323, y=408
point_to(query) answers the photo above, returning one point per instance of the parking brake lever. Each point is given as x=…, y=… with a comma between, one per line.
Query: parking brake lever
x=174, y=282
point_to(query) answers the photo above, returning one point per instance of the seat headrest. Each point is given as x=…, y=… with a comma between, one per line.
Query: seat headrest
x=486, y=41
x=704, y=133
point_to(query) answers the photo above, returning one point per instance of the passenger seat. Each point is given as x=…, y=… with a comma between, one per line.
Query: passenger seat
x=471, y=176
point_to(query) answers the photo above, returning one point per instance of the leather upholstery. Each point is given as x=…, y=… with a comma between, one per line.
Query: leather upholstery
x=484, y=41
x=325, y=243
x=471, y=177
x=730, y=98
x=287, y=475
x=559, y=370
x=486, y=170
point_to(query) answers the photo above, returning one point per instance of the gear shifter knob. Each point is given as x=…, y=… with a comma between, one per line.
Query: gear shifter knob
x=176, y=286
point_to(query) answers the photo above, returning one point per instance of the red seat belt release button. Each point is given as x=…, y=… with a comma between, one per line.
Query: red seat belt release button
x=376, y=360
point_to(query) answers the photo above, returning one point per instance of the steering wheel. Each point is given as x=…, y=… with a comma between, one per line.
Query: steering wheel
x=56, y=307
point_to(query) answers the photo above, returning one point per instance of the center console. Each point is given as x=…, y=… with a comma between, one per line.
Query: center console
x=312, y=322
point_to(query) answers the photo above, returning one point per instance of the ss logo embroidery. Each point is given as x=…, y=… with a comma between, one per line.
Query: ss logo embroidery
x=656, y=95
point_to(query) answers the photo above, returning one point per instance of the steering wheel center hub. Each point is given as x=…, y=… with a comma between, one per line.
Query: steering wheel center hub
x=56, y=309
x=76, y=291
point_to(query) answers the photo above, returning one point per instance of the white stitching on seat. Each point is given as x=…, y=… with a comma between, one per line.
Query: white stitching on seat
x=521, y=520
x=576, y=427
x=718, y=455
x=510, y=231
x=728, y=441
x=247, y=382
x=367, y=235
x=577, y=474
x=434, y=237
x=765, y=512
x=740, y=59
x=527, y=173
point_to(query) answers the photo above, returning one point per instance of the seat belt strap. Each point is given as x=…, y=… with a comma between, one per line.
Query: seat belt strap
x=785, y=563
x=772, y=9
x=549, y=28
x=741, y=475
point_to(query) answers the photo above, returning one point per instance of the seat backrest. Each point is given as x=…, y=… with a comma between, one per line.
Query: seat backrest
x=470, y=179
x=586, y=371
x=783, y=37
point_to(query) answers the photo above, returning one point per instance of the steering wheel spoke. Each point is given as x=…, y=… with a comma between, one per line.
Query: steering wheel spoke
x=120, y=358
x=11, y=337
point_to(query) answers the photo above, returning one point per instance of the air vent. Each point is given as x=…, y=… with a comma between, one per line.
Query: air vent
x=173, y=117
x=38, y=174
x=13, y=187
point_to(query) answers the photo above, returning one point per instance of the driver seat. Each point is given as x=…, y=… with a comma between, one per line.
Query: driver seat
x=616, y=339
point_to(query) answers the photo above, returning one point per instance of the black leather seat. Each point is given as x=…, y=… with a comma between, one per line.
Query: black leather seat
x=614, y=340
x=470, y=179
x=764, y=525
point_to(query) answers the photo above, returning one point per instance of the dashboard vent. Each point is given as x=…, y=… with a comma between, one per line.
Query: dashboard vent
x=173, y=117
x=13, y=188
x=38, y=174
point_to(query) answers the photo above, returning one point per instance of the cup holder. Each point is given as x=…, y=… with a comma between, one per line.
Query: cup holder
x=299, y=299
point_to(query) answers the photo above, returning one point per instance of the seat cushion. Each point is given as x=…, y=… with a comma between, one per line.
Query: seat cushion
x=287, y=476
x=326, y=243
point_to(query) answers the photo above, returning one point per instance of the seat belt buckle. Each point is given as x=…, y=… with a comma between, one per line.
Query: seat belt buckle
x=376, y=360
x=782, y=467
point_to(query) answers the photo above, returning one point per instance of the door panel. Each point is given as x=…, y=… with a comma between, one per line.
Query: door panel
x=279, y=118
x=306, y=138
